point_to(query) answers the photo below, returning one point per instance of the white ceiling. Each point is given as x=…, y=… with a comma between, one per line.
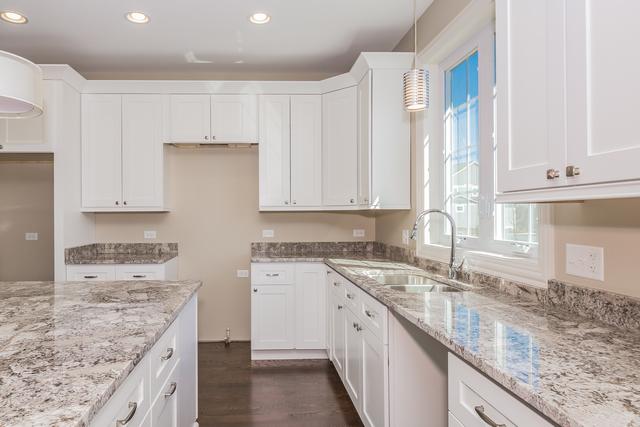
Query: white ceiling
x=307, y=38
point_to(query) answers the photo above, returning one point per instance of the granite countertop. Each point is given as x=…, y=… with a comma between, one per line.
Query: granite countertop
x=66, y=347
x=121, y=253
x=574, y=370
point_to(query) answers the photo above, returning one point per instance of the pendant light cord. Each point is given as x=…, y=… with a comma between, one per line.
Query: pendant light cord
x=415, y=34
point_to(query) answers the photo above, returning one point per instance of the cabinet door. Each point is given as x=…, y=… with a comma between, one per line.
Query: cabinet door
x=188, y=338
x=191, y=118
x=364, y=140
x=602, y=88
x=340, y=147
x=101, y=151
x=272, y=317
x=530, y=113
x=274, y=154
x=142, y=151
x=164, y=412
x=353, y=358
x=338, y=349
x=306, y=150
x=233, y=118
x=375, y=383
x=311, y=320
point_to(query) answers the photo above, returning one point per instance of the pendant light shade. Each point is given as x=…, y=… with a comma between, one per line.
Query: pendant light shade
x=20, y=87
x=416, y=80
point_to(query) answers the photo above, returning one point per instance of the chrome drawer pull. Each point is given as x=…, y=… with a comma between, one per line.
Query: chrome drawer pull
x=167, y=355
x=273, y=274
x=133, y=406
x=339, y=307
x=480, y=411
x=91, y=277
x=350, y=296
x=139, y=276
x=336, y=284
x=369, y=314
x=172, y=389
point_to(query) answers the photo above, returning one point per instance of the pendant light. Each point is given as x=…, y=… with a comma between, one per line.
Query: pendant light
x=20, y=87
x=416, y=80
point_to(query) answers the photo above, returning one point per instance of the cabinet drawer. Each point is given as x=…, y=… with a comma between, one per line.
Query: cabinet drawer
x=163, y=357
x=337, y=285
x=472, y=396
x=352, y=296
x=374, y=315
x=272, y=274
x=90, y=273
x=164, y=411
x=131, y=401
x=140, y=272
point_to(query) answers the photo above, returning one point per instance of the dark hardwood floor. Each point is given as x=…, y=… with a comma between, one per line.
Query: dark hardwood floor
x=233, y=393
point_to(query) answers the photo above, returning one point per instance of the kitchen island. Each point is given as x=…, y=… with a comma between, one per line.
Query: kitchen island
x=66, y=348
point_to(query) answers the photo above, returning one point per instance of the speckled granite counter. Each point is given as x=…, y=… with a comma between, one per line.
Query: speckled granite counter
x=66, y=347
x=574, y=370
x=121, y=253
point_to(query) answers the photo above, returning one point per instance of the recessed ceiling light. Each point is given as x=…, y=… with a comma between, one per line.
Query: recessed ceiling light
x=13, y=17
x=259, y=18
x=137, y=17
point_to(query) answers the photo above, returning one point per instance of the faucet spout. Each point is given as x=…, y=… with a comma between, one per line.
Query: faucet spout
x=453, y=269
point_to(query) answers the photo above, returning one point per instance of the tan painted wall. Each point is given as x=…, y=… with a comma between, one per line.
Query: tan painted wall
x=26, y=205
x=214, y=219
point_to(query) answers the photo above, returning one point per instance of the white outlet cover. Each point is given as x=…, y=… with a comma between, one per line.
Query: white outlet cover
x=150, y=234
x=405, y=237
x=30, y=236
x=242, y=273
x=268, y=233
x=358, y=232
x=585, y=261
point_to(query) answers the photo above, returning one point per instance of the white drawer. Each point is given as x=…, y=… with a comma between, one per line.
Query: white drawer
x=140, y=272
x=163, y=357
x=472, y=396
x=272, y=274
x=374, y=315
x=91, y=273
x=164, y=411
x=130, y=400
x=337, y=285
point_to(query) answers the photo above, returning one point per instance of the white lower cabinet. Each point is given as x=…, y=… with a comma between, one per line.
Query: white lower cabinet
x=353, y=358
x=151, y=396
x=375, y=385
x=337, y=337
x=272, y=317
x=110, y=272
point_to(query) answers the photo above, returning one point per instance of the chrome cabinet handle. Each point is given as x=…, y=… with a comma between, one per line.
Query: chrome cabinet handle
x=359, y=328
x=167, y=355
x=133, y=406
x=350, y=296
x=91, y=277
x=553, y=173
x=172, y=389
x=484, y=417
x=339, y=307
x=273, y=274
x=139, y=276
x=572, y=171
x=370, y=314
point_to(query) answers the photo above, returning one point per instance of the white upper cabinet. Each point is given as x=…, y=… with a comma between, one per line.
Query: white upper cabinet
x=274, y=151
x=190, y=118
x=233, y=118
x=566, y=83
x=101, y=151
x=340, y=147
x=306, y=150
x=142, y=151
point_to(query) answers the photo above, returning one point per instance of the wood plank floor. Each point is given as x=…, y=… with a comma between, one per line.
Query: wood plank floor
x=232, y=393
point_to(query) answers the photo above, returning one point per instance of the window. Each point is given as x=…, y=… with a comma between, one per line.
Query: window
x=459, y=156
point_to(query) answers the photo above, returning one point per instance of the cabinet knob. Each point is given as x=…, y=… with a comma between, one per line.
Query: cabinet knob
x=572, y=171
x=294, y=202
x=352, y=201
x=213, y=138
x=206, y=138
x=286, y=202
x=553, y=173
x=117, y=203
x=339, y=307
x=1, y=146
x=255, y=289
x=125, y=203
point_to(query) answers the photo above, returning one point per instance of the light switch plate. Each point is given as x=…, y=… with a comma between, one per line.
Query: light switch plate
x=242, y=273
x=358, y=232
x=585, y=261
x=150, y=234
x=268, y=233
x=30, y=236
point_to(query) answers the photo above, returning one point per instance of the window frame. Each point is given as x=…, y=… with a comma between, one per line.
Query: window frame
x=507, y=259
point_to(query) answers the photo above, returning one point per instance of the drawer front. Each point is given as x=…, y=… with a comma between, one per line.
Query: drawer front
x=474, y=400
x=337, y=285
x=140, y=272
x=163, y=357
x=130, y=402
x=374, y=315
x=90, y=273
x=164, y=411
x=272, y=274
x=352, y=295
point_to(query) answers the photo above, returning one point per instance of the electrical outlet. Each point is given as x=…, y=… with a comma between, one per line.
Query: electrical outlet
x=358, y=232
x=405, y=237
x=585, y=261
x=242, y=273
x=268, y=233
x=30, y=236
x=150, y=234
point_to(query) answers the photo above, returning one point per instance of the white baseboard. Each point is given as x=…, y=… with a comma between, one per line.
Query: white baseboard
x=288, y=354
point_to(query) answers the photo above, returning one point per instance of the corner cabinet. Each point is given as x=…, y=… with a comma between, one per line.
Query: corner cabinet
x=122, y=153
x=565, y=118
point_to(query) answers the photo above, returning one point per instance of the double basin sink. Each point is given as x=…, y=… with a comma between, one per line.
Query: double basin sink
x=411, y=283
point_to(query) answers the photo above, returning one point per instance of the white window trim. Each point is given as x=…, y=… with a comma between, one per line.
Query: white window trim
x=462, y=33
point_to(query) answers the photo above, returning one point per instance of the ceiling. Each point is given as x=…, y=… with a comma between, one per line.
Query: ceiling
x=306, y=39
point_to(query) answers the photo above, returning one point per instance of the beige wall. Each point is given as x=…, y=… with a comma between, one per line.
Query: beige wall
x=214, y=219
x=26, y=205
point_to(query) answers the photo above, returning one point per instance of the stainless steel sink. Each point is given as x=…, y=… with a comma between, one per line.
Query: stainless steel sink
x=403, y=279
x=420, y=289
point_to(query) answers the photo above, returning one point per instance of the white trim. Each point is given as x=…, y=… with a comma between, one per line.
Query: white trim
x=64, y=73
x=288, y=354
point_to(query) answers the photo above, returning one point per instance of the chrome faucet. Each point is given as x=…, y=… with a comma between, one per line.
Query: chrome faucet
x=454, y=270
